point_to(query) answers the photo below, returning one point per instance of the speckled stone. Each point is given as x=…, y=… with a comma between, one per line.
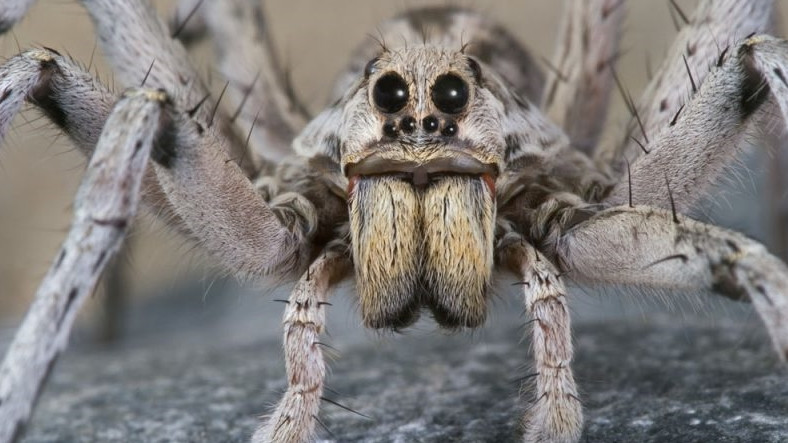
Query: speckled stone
x=640, y=381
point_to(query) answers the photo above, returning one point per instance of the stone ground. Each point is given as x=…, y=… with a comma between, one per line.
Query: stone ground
x=203, y=372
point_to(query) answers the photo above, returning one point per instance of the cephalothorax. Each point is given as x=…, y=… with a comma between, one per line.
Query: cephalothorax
x=445, y=155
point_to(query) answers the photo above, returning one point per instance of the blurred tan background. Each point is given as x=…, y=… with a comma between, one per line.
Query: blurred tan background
x=39, y=170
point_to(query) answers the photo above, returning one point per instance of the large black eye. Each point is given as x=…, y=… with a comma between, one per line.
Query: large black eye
x=390, y=93
x=450, y=93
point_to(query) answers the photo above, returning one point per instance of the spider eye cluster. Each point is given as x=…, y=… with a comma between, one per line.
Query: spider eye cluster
x=450, y=93
x=390, y=93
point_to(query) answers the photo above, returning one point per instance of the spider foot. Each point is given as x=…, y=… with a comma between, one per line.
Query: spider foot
x=557, y=414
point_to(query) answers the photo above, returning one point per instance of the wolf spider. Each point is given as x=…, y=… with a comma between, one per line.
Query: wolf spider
x=440, y=160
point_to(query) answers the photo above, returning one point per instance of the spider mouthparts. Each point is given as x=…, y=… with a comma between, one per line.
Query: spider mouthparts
x=490, y=182
x=422, y=249
x=421, y=174
x=351, y=184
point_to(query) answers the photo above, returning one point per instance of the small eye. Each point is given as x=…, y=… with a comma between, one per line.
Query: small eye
x=450, y=93
x=370, y=68
x=390, y=93
x=476, y=69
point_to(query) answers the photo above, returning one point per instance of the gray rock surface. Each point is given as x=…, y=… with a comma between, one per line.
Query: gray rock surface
x=652, y=378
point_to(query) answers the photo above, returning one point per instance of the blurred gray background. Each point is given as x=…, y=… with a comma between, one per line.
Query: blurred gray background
x=39, y=170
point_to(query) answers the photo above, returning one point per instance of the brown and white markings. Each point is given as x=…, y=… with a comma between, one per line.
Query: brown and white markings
x=440, y=160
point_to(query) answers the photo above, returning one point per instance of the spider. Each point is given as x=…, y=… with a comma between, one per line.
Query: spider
x=446, y=154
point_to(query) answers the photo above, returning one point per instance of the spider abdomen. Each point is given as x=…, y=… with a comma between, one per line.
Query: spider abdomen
x=422, y=247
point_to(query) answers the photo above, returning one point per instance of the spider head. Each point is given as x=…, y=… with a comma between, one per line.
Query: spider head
x=422, y=148
x=423, y=113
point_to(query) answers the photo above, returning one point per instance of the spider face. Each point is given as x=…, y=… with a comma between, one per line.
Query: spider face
x=422, y=113
x=421, y=174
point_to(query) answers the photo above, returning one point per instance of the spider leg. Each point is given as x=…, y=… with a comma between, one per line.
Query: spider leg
x=556, y=413
x=139, y=48
x=11, y=11
x=220, y=206
x=652, y=247
x=105, y=206
x=207, y=189
x=769, y=56
x=579, y=82
x=713, y=27
x=261, y=98
x=141, y=51
x=183, y=182
x=688, y=154
x=62, y=89
x=304, y=319
x=74, y=101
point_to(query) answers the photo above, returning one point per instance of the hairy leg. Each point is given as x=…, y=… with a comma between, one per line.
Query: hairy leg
x=187, y=180
x=139, y=47
x=71, y=97
x=651, y=247
x=714, y=26
x=77, y=103
x=555, y=415
x=141, y=51
x=578, y=87
x=196, y=161
x=11, y=11
x=105, y=206
x=769, y=57
x=220, y=206
x=692, y=151
x=259, y=97
x=295, y=416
